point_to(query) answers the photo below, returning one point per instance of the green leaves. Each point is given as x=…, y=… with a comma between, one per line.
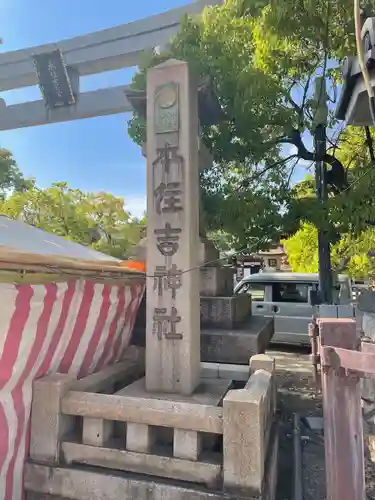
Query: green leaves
x=94, y=219
x=10, y=175
x=350, y=254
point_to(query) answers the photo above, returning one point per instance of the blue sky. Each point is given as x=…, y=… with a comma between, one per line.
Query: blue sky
x=94, y=154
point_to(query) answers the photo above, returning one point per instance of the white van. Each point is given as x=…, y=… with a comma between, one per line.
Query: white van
x=287, y=298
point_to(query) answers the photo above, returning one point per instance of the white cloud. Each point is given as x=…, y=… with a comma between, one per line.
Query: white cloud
x=136, y=205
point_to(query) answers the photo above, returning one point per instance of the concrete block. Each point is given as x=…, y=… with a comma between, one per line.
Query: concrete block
x=48, y=424
x=236, y=346
x=96, y=431
x=210, y=392
x=243, y=444
x=187, y=444
x=78, y=484
x=225, y=371
x=246, y=426
x=327, y=311
x=262, y=362
x=239, y=373
x=225, y=312
x=210, y=370
x=216, y=281
x=143, y=463
x=366, y=301
x=140, y=437
x=368, y=325
x=345, y=311
x=43, y=482
x=336, y=311
x=368, y=388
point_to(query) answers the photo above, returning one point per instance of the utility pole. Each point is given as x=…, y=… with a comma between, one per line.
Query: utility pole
x=324, y=250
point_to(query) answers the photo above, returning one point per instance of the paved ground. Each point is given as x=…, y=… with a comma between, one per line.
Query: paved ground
x=297, y=393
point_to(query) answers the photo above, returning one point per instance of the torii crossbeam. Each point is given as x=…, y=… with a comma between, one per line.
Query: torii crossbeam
x=106, y=50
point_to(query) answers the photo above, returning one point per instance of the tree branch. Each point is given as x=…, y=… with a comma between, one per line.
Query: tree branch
x=292, y=171
x=247, y=182
x=337, y=179
x=299, y=109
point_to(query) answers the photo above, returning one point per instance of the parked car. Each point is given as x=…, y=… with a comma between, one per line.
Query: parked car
x=287, y=297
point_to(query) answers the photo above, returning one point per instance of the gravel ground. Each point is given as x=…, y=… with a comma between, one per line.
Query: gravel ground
x=297, y=393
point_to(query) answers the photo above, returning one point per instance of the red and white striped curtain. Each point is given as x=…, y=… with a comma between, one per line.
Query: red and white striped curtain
x=76, y=327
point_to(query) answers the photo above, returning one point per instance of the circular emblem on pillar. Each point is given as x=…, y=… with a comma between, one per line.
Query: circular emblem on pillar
x=166, y=97
x=166, y=109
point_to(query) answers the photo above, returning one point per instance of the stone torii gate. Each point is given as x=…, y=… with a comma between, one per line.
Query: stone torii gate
x=57, y=68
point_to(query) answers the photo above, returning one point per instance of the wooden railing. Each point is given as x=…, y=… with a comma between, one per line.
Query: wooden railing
x=344, y=360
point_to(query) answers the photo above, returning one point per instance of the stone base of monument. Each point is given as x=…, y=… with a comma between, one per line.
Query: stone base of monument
x=219, y=442
x=229, y=332
x=237, y=345
x=218, y=345
x=225, y=312
x=216, y=281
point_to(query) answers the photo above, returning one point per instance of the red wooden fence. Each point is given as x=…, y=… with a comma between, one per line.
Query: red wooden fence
x=343, y=359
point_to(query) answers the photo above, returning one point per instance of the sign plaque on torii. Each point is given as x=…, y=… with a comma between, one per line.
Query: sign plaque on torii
x=57, y=68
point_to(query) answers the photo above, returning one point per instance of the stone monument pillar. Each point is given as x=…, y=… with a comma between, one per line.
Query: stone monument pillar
x=173, y=309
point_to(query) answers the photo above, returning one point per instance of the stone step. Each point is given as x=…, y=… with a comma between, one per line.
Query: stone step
x=225, y=312
x=237, y=346
x=216, y=281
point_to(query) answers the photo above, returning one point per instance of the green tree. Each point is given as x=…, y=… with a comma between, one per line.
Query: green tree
x=351, y=254
x=11, y=178
x=96, y=219
x=302, y=249
x=261, y=59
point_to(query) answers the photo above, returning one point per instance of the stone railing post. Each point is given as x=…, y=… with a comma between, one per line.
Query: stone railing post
x=48, y=424
x=264, y=362
x=245, y=419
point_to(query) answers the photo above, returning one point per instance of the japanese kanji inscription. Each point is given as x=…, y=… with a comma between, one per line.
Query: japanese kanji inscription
x=167, y=279
x=164, y=324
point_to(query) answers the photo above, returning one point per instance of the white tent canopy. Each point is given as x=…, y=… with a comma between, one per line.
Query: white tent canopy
x=22, y=237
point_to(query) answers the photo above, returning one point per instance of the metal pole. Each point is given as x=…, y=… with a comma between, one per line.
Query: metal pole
x=324, y=248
